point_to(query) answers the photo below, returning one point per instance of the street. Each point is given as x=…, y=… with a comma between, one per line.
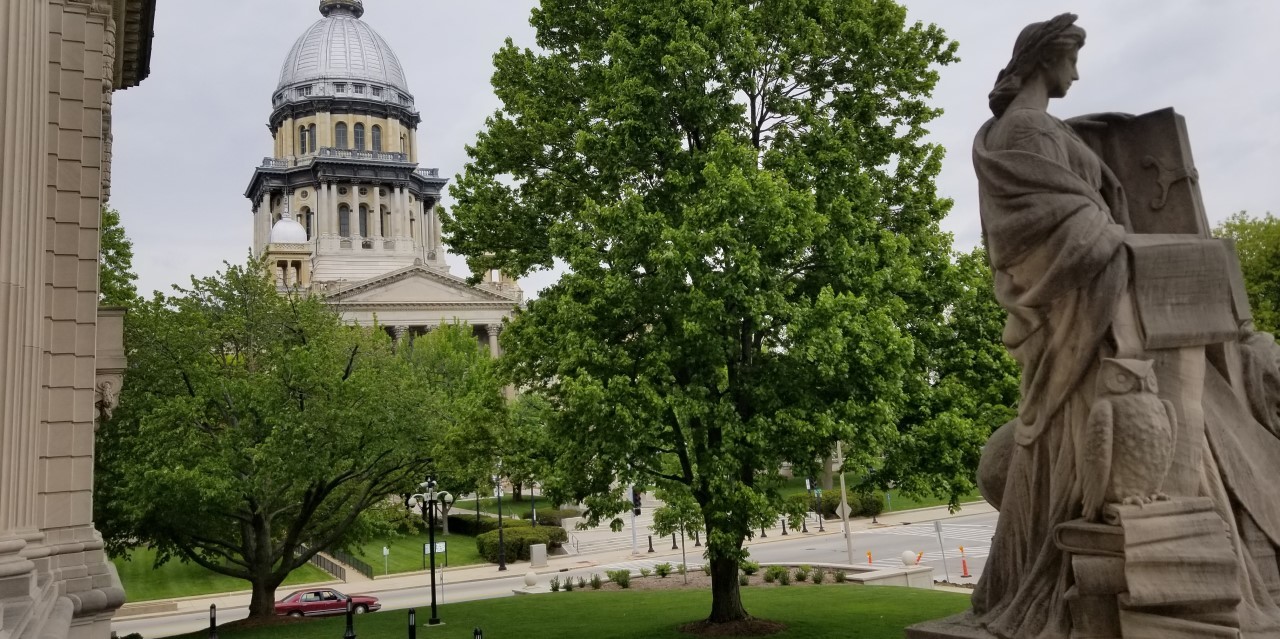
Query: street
x=886, y=544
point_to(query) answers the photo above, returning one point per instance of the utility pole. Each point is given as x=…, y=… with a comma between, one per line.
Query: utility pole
x=844, y=504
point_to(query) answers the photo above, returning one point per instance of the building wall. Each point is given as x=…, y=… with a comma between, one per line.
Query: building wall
x=396, y=137
x=58, y=72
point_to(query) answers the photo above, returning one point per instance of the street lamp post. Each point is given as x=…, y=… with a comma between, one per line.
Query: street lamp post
x=502, y=546
x=427, y=499
x=533, y=505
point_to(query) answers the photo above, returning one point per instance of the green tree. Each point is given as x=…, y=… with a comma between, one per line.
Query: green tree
x=971, y=389
x=742, y=196
x=1258, y=245
x=254, y=429
x=523, y=441
x=115, y=262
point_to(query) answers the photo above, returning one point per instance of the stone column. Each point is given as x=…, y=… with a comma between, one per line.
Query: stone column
x=401, y=214
x=331, y=196
x=321, y=225
x=494, y=330
x=399, y=333
x=375, y=221
x=24, y=100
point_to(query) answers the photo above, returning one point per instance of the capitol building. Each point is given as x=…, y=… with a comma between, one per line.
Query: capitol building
x=341, y=206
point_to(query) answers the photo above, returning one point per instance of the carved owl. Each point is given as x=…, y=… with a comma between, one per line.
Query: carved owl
x=1129, y=439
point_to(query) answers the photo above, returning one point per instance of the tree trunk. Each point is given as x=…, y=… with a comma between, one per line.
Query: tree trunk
x=726, y=596
x=263, y=603
x=515, y=490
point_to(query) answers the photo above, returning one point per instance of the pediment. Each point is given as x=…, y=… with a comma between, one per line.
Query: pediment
x=416, y=285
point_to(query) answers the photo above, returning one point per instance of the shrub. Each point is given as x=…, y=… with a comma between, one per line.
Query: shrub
x=549, y=516
x=802, y=574
x=582, y=583
x=706, y=569
x=744, y=580
x=662, y=569
x=555, y=584
x=680, y=568
x=819, y=575
x=596, y=582
x=840, y=576
x=749, y=567
x=568, y=584
x=645, y=572
x=774, y=573
x=861, y=504
x=784, y=578
x=517, y=541
x=466, y=524
x=621, y=577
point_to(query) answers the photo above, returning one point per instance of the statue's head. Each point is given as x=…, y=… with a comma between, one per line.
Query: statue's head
x=1045, y=48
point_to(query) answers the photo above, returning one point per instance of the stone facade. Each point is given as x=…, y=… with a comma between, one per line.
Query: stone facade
x=63, y=58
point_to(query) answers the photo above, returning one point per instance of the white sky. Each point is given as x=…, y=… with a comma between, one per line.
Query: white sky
x=187, y=140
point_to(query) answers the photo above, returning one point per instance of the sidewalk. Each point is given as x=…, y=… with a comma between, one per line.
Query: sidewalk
x=555, y=563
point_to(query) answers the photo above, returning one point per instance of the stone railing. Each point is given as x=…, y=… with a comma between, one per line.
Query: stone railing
x=428, y=173
x=352, y=154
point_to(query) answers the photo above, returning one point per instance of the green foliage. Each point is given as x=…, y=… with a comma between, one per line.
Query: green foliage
x=840, y=576
x=819, y=575
x=774, y=573
x=568, y=584
x=516, y=541
x=548, y=516
x=784, y=578
x=595, y=582
x=663, y=569
x=802, y=573
x=744, y=580
x=645, y=572
x=116, y=279
x=861, y=504
x=745, y=203
x=681, y=569
x=582, y=583
x=678, y=513
x=749, y=567
x=255, y=429
x=972, y=389
x=468, y=525
x=1258, y=246
x=555, y=583
x=622, y=577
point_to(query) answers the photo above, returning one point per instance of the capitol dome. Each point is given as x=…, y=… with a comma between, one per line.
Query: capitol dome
x=341, y=56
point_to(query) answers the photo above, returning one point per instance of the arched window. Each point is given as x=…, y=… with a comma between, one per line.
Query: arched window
x=304, y=216
x=311, y=133
x=344, y=220
x=377, y=138
x=302, y=140
x=364, y=218
x=359, y=130
x=340, y=135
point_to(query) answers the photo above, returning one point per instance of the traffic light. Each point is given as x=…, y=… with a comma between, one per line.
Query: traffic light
x=635, y=502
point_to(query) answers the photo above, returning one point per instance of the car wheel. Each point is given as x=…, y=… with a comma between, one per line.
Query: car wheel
x=295, y=614
x=361, y=609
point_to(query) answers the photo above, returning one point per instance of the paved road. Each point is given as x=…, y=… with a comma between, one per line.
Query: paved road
x=885, y=543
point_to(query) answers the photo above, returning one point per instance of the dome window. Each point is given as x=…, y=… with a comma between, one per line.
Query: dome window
x=377, y=138
x=358, y=89
x=359, y=136
x=403, y=98
x=304, y=91
x=340, y=135
x=377, y=92
x=340, y=87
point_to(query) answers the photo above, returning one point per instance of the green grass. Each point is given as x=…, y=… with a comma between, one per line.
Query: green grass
x=143, y=582
x=406, y=552
x=810, y=612
x=510, y=506
x=795, y=486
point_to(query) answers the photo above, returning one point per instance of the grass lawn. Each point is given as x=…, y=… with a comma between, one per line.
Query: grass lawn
x=795, y=486
x=143, y=582
x=406, y=552
x=847, y=611
x=510, y=506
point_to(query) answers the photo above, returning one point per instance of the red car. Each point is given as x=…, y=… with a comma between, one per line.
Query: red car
x=324, y=601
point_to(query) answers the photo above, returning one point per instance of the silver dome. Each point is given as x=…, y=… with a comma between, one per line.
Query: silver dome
x=288, y=231
x=340, y=55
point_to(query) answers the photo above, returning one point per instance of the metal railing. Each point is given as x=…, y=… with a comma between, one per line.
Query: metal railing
x=356, y=564
x=329, y=566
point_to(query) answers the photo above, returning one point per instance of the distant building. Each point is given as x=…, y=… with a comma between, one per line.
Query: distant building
x=341, y=206
x=61, y=357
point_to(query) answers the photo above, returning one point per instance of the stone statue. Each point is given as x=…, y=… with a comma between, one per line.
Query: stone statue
x=1128, y=441
x=1102, y=258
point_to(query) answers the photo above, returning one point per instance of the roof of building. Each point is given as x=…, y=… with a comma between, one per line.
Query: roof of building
x=288, y=231
x=338, y=51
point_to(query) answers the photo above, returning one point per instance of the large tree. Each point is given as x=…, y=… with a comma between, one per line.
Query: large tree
x=115, y=262
x=743, y=199
x=1258, y=245
x=254, y=428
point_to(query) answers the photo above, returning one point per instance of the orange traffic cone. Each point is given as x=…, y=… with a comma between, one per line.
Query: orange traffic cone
x=868, y=557
x=919, y=557
x=964, y=564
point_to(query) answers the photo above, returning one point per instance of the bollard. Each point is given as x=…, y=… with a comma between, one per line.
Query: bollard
x=477, y=634
x=351, y=631
x=650, y=543
x=213, y=621
x=413, y=624
x=673, y=542
x=784, y=526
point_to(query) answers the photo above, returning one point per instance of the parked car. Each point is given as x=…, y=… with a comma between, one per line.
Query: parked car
x=324, y=601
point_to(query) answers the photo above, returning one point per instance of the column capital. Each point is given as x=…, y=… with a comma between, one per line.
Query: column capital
x=493, y=329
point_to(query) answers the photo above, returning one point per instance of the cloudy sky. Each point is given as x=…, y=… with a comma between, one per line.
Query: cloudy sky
x=188, y=138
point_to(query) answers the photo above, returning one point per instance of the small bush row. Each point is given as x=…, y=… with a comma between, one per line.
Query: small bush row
x=516, y=541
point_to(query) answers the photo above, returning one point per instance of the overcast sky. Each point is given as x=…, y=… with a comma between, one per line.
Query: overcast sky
x=187, y=140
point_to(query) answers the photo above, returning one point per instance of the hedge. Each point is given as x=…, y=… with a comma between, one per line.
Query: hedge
x=860, y=504
x=466, y=524
x=517, y=541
